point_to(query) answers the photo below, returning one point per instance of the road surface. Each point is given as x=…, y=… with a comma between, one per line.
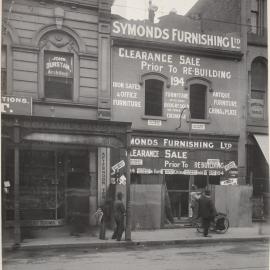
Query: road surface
x=220, y=256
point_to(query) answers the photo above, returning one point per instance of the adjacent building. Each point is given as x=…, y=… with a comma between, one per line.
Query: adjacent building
x=56, y=137
x=186, y=82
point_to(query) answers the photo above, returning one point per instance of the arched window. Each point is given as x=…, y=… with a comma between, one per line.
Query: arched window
x=154, y=88
x=258, y=87
x=59, y=66
x=153, y=97
x=198, y=88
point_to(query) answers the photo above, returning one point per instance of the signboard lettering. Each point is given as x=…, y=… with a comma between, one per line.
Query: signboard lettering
x=16, y=105
x=181, y=156
x=174, y=35
x=178, y=68
x=118, y=165
x=59, y=66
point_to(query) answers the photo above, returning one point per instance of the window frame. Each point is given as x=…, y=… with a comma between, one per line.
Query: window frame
x=48, y=46
x=257, y=90
x=165, y=80
x=257, y=23
x=208, y=88
x=59, y=54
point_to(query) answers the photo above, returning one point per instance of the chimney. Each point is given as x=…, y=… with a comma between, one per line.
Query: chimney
x=151, y=11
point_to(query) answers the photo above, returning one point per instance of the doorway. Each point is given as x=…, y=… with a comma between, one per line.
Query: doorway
x=178, y=191
x=78, y=188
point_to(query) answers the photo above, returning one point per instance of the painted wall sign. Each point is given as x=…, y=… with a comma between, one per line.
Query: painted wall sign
x=103, y=173
x=58, y=65
x=129, y=64
x=144, y=31
x=16, y=105
x=182, y=156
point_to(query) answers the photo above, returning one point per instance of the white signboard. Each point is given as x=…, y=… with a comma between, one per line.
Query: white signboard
x=118, y=165
x=198, y=126
x=231, y=181
x=154, y=123
x=135, y=162
x=229, y=166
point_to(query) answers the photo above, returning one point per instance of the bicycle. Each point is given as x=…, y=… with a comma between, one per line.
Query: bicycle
x=220, y=224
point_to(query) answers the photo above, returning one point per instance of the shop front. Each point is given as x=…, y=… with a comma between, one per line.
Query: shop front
x=176, y=162
x=56, y=172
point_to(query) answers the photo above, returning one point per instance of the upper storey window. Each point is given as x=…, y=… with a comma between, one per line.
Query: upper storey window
x=257, y=17
x=258, y=88
x=4, y=70
x=154, y=97
x=58, y=67
x=197, y=105
x=58, y=79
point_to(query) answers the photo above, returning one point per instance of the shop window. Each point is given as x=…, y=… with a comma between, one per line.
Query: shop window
x=259, y=87
x=4, y=70
x=58, y=81
x=154, y=97
x=257, y=17
x=197, y=104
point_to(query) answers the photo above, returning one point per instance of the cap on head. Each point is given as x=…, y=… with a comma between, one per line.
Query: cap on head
x=193, y=187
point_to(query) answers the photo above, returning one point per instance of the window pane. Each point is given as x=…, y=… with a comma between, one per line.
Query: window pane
x=4, y=70
x=258, y=75
x=58, y=88
x=197, y=101
x=153, y=97
x=58, y=75
x=257, y=94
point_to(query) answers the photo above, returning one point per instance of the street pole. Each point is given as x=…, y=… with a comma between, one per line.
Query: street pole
x=128, y=210
x=189, y=138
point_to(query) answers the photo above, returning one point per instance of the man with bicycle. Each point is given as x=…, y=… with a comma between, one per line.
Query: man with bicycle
x=207, y=211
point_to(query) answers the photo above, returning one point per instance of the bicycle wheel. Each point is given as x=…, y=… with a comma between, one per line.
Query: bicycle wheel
x=226, y=226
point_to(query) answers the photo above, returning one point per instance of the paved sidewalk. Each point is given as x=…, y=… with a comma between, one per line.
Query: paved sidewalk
x=258, y=232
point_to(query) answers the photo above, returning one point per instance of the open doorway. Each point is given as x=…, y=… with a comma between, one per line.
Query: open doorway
x=78, y=188
x=178, y=191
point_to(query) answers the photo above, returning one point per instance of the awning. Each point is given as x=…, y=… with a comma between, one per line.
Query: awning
x=263, y=142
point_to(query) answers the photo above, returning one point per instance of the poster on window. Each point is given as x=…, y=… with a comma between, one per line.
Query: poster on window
x=58, y=65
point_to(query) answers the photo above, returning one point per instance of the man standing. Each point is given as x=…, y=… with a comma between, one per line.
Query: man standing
x=119, y=215
x=194, y=201
x=207, y=211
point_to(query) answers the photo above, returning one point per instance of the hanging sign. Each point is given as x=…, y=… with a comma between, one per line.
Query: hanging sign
x=118, y=165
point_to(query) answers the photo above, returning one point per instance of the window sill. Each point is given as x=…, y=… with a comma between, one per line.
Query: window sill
x=194, y=120
x=151, y=117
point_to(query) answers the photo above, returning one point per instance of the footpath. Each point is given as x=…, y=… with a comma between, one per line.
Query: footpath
x=170, y=236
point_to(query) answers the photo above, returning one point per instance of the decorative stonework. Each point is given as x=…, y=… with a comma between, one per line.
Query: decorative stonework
x=59, y=40
x=59, y=14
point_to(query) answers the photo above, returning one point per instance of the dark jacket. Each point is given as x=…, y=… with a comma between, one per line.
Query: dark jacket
x=206, y=207
x=119, y=209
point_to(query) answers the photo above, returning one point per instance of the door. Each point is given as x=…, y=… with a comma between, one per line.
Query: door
x=178, y=190
x=78, y=190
